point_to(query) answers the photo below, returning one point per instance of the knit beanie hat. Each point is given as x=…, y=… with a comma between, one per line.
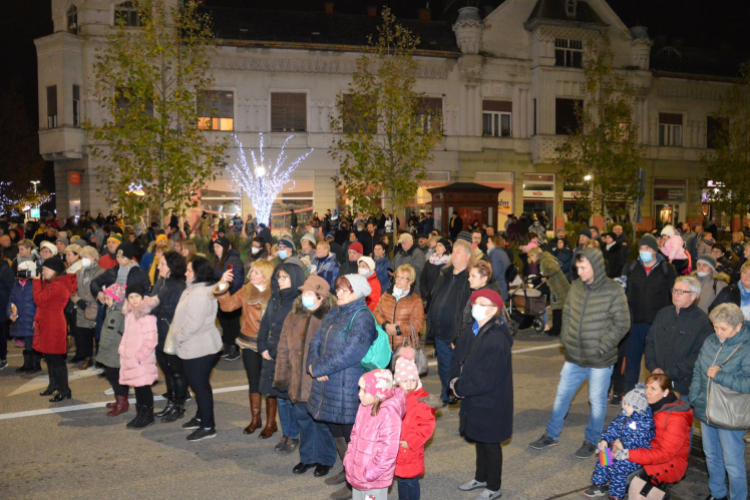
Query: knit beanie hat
x=55, y=263
x=116, y=291
x=367, y=260
x=637, y=398
x=49, y=246
x=117, y=237
x=224, y=242
x=125, y=250
x=668, y=230
x=360, y=286
x=585, y=232
x=162, y=238
x=406, y=369
x=708, y=260
x=377, y=383
x=287, y=242
x=357, y=247
x=447, y=244
x=309, y=237
x=64, y=240
x=649, y=241
x=137, y=288
x=464, y=235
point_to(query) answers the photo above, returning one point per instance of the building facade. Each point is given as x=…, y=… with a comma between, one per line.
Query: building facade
x=506, y=82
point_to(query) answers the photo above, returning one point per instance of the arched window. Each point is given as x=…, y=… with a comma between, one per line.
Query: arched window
x=72, y=19
x=570, y=7
x=127, y=13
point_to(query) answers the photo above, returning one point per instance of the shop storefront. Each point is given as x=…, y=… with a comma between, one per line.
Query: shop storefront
x=670, y=198
x=539, y=194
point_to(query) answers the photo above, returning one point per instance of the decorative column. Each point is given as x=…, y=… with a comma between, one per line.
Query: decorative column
x=468, y=28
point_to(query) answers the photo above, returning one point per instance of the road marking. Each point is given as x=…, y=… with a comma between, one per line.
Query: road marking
x=223, y=390
x=42, y=381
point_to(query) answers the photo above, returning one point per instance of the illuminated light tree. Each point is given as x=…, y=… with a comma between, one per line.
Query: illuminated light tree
x=263, y=182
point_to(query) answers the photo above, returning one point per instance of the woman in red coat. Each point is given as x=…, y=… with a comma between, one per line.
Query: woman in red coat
x=667, y=460
x=51, y=294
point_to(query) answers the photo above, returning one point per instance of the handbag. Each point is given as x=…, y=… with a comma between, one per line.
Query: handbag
x=647, y=489
x=725, y=408
x=170, y=345
x=379, y=353
x=420, y=359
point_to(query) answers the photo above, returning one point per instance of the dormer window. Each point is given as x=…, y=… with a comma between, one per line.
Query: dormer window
x=570, y=7
x=72, y=18
x=126, y=13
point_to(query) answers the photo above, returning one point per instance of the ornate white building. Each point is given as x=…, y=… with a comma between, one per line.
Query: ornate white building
x=506, y=85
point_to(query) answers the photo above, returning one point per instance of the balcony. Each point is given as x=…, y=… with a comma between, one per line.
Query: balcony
x=544, y=148
x=61, y=143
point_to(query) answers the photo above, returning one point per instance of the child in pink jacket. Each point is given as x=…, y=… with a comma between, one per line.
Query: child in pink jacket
x=137, y=354
x=370, y=460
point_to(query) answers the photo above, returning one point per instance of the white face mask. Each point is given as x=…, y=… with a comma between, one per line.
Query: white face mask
x=255, y=250
x=86, y=262
x=479, y=312
x=398, y=292
x=364, y=272
x=703, y=274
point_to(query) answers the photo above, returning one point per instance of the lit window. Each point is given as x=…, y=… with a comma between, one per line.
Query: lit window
x=72, y=18
x=670, y=129
x=568, y=53
x=288, y=112
x=497, y=118
x=216, y=110
x=126, y=14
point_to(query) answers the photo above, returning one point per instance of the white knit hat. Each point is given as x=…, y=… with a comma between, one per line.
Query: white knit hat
x=360, y=286
x=49, y=246
x=309, y=237
x=367, y=260
x=668, y=231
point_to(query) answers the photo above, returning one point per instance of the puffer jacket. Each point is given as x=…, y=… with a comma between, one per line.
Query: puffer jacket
x=381, y=268
x=667, y=460
x=734, y=375
x=649, y=293
x=111, y=336
x=416, y=429
x=595, y=318
x=407, y=313
x=253, y=303
x=137, y=347
x=336, y=352
x=296, y=334
x=634, y=431
x=370, y=459
x=22, y=295
x=50, y=327
x=194, y=322
x=166, y=294
x=556, y=281
x=85, y=276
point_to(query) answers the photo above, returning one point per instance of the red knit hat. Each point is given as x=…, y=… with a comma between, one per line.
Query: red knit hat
x=357, y=247
x=488, y=294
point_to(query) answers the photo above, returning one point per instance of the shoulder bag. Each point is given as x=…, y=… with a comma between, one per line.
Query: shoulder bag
x=170, y=345
x=725, y=408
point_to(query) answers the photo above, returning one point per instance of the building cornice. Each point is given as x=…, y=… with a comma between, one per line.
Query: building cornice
x=324, y=47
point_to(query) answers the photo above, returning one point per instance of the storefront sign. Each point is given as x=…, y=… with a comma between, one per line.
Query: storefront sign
x=669, y=194
x=74, y=178
x=538, y=194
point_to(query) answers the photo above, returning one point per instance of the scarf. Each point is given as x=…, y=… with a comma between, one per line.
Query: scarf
x=439, y=260
x=668, y=399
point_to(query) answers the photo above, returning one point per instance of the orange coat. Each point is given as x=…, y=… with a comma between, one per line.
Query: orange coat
x=253, y=303
x=407, y=314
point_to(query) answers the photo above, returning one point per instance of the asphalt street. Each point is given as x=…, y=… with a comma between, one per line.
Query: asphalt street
x=73, y=450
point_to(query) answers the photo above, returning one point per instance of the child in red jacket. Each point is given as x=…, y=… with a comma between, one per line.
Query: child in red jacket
x=416, y=429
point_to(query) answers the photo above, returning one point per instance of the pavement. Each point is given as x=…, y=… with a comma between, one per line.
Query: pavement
x=73, y=450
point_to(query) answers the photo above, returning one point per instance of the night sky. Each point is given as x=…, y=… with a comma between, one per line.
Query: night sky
x=716, y=24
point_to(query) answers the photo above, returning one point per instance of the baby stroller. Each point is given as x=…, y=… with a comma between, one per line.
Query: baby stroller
x=528, y=305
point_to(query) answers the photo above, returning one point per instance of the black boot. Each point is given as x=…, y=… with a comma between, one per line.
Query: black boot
x=36, y=363
x=178, y=411
x=138, y=411
x=61, y=382
x=168, y=409
x=52, y=386
x=26, y=363
x=144, y=419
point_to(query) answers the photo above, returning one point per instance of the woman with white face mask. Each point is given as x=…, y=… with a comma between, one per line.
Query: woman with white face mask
x=400, y=311
x=481, y=375
x=83, y=328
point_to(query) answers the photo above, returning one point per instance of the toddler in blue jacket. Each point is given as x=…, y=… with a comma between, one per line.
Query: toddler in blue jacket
x=634, y=427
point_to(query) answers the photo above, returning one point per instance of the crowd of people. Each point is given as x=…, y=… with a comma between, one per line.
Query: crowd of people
x=304, y=307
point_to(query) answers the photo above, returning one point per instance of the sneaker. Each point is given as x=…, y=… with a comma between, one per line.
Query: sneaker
x=225, y=351
x=3, y=363
x=615, y=400
x=587, y=450
x=472, y=485
x=596, y=491
x=488, y=495
x=291, y=445
x=282, y=443
x=194, y=423
x=543, y=442
x=233, y=354
x=19, y=343
x=201, y=434
x=109, y=392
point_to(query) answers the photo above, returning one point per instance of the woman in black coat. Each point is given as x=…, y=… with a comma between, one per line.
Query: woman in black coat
x=285, y=283
x=482, y=377
x=226, y=258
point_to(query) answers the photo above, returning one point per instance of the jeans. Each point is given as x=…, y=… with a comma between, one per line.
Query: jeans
x=444, y=354
x=687, y=400
x=489, y=465
x=571, y=378
x=635, y=348
x=725, y=455
x=316, y=445
x=408, y=488
x=288, y=419
x=198, y=375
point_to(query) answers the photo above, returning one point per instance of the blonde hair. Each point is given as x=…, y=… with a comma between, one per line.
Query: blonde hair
x=408, y=269
x=27, y=243
x=264, y=267
x=745, y=267
x=325, y=245
x=534, y=252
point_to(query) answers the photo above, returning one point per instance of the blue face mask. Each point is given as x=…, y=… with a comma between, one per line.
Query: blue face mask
x=646, y=256
x=283, y=254
x=308, y=302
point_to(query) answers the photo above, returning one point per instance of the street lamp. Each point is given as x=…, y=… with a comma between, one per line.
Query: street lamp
x=587, y=177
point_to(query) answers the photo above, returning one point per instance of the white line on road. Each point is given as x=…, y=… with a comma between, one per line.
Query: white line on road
x=236, y=388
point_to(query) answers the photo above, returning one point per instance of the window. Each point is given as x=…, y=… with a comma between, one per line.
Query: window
x=429, y=114
x=535, y=116
x=496, y=118
x=288, y=112
x=76, y=106
x=715, y=130
x=124, y=102
x=216, y=110
x=570, y=8
x=126, y=14
x=566, y=117
x=359, y=122
x=568, y=53
x=72, y=17
x=670, y=129
x=52, y=106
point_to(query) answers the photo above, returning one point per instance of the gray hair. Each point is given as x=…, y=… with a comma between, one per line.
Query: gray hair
x=693, y=283
x=727, y=313
x=464, y=245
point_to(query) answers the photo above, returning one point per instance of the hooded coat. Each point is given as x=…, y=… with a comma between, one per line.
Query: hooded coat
x=111, y=336
x=711, y=287
x=595, y=318
x=416, y=429
x=137, y=347
x=336, y=352
x=194, y=322
x=649, y=292
x=667, y=460
x=370, y=459
x=269, y=333
x=296, y=334
x=50, y=326
x=556, y=281
x=375, y=291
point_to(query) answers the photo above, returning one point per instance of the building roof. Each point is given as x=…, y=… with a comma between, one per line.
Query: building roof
x=696, y=61
x=320, y=28
x=554, y=10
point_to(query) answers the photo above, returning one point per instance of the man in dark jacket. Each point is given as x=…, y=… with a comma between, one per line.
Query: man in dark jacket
x=615, y=254
x=595, y=319
x=649, y=281
x=368, y=239
x=677, y=335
